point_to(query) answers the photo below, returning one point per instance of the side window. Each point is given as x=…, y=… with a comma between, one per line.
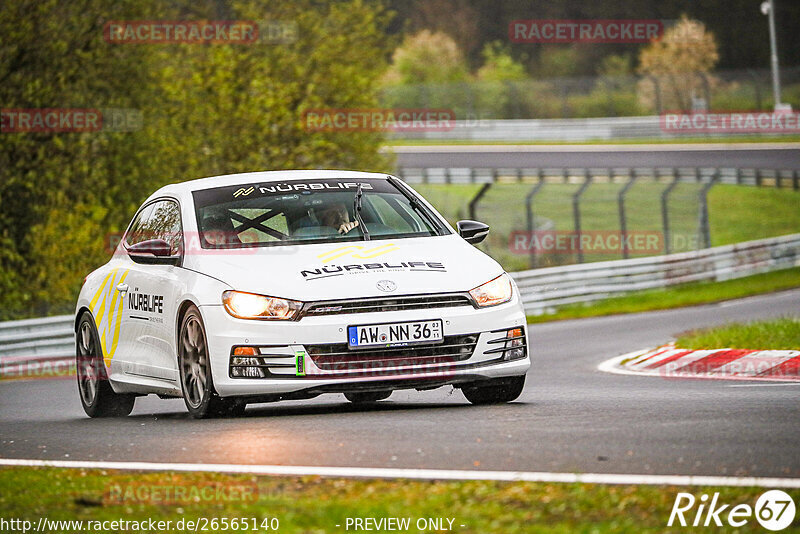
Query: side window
x=137, y=233
x=159, y=220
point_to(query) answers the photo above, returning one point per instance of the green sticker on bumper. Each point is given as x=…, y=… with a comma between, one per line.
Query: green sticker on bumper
x=300, y=363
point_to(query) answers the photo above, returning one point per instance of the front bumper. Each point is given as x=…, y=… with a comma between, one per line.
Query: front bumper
x=324, y=366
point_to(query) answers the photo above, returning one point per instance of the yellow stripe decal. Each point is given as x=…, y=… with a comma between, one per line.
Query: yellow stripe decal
x=118, y=320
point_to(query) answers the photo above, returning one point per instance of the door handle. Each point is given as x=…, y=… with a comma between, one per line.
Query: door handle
x=122, y=288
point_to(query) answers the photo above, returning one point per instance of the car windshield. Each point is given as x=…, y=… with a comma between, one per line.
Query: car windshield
x=310, y=211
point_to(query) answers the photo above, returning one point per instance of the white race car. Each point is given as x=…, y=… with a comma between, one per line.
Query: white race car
x=265, y=286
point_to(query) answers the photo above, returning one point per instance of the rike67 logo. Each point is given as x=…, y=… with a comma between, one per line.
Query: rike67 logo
x=774, y=510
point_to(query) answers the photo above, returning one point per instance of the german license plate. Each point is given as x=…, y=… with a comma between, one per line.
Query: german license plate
x=395, y=334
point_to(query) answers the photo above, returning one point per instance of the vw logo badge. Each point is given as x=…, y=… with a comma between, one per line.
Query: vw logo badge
x=387, y=286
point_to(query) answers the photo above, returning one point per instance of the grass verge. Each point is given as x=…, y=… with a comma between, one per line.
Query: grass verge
x=314, y=504
x=676, y=297
x=775, y=334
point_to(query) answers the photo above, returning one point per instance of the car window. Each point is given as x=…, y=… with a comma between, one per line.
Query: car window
x=136, y=232
x=158, y=220
x=304, y=211
x=276, y=223
x=394, y=215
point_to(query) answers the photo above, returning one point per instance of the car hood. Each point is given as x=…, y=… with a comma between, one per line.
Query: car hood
x=329, y=271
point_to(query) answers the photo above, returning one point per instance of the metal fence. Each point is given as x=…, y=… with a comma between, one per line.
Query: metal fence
x=597, y=96
x=672, y=201
x=543, y=290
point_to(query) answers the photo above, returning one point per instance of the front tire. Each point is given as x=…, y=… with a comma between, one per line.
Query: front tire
x=194, y=364
x=366, y=397
x=97, y=397
x=495, y=391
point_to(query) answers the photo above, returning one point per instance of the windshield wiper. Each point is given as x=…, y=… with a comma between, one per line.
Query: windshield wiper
x=357, y=212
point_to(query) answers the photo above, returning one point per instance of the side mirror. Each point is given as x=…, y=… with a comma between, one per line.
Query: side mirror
x=153, y=251
x=472, y=231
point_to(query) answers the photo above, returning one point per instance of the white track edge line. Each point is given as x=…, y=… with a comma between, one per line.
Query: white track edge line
x=418, y=474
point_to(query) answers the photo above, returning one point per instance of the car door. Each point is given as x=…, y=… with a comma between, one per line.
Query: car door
x=150, y=294
x=107, y=307
x=122, y=359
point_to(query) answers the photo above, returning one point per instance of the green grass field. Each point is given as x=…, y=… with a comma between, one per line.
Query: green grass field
x=317, y=505
x=753, y=213
x=736, y=214
x=773, y=334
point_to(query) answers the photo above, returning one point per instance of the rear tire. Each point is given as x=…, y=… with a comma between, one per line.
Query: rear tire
x=495, y=391
x=366, y=397
x=194, y=364
x=97, y=397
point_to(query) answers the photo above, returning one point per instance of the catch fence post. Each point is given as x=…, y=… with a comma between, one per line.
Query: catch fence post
x=705, y=228
x=576, y=210
x=623, y=223
x=665, y=210
x=531, y=222
x=473, y=204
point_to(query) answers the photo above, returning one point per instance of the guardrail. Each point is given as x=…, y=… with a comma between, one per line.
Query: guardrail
x=31, y=345
x=589, y=129
x=543, y=290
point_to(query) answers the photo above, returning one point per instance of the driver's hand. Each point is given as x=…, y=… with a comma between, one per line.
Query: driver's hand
x=346, y=227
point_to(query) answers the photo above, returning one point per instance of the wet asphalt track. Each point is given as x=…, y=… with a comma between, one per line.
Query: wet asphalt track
x=571, y=417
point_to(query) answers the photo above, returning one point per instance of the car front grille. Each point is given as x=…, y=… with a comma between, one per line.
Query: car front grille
x=381, y=304
x=336, y=357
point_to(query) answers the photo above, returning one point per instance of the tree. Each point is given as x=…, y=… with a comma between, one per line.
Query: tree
x=52, y=55
x=428, y=70
x=681, y=62
x=499, y=76
x=499, y=65
x=459, y=19
x=208, y=109
x=427, y=57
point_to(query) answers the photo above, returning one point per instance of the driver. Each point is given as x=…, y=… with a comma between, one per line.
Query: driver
x=217, y=230
x=336, y=216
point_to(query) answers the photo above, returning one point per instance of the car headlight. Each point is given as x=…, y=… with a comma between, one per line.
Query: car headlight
x=251, y=306
x=494, y=292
